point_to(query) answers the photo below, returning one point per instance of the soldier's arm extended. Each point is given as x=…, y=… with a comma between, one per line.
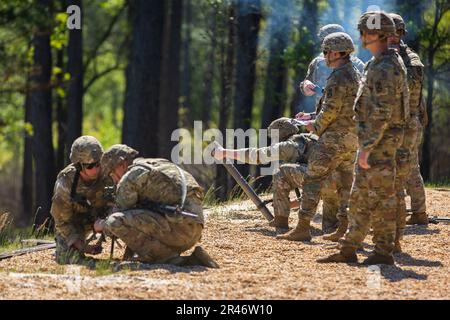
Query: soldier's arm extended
x=385, y=84
x=64, y=216
x=280, y=151
x=331, y=107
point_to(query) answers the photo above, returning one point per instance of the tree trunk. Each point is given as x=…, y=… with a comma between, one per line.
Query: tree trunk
x=75, y=85
x=209, y=74
x=186, y=73
x=248, y=19
x=425, y=164
x=170, y=79
x=143, y=76
x=27, y=171
x=41, y=114
x=307, y=44
x=226, y=79
x=61, y=119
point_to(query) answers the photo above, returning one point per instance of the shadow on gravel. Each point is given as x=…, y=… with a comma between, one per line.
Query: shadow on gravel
x=273, y=233
x=395, y=274
x=406, y=260
x=422, y=230
x=137, y=266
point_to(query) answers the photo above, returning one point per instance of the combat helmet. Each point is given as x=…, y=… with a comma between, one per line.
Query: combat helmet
x=285, y=126
x=115, y=155
x=400, y=25
x=329, y=29
x=338, y=41
x=86, y=149
x=377, y=21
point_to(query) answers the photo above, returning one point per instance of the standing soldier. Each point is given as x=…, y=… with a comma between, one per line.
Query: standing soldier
x=336, y=128
x=293, y=150
x=381, y=109
x=79, y=200
x=413, y=133
x=159, y=207
x=406, y=153
x=315, y=80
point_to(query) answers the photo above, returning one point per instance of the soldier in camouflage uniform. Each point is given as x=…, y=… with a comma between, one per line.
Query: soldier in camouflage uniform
x=382, y=111
x=406, y=153
x=143, y=187
x=78, y=200
x=336, y=128
x=293, y=151
x=316, y=77
x=410, y=176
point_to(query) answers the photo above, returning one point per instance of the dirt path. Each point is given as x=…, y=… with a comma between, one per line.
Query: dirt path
x=254, y=265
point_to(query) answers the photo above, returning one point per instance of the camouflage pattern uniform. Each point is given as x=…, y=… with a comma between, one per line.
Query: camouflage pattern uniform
x=381, y=112
x=336, y=148
x=407, y=155
x=293, y=152
x=318, y=73
x=75, y=214
x=408, y=162
x=156, y=237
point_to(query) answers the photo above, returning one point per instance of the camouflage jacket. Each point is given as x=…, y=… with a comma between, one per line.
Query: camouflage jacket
x=318, y=72
x=336, y=105
x=74, y=218
x=158, y=181
x=296, y=149
x=414, y=69
x=382, y=102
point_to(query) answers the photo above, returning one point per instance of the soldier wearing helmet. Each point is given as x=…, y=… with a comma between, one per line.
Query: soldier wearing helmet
x=381, y=112
x=408, y=170
x=292, y=150
x=337, y=144
x=78, y=200
x=316, y=77
x=146, y=190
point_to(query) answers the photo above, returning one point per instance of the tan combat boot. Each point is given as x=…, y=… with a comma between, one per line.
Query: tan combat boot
x=280, y=222
x=376, y=258
x=347, y=255
x=418, y=218
x=340, y=232
x=300, y=233
x=200, y=257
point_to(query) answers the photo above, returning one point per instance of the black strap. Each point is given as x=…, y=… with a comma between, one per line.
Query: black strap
x=73, y=190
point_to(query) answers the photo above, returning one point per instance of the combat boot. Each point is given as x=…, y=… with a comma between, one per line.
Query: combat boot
x=376, y=258
x=300, y=233
x=200, y=257
x=347, y=255
x=280, y=222
x=418, y=218
x=340, y=232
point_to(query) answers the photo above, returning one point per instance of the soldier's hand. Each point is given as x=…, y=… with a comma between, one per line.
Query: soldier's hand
x=218, y=152
x=99, y=225
x=93, y=249
x=363, y=159
x=308, y=88
x=303, y=116
x=309, y=126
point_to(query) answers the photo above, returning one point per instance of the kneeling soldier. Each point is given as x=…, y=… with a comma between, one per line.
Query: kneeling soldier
x=78, y=200
x=160, y=212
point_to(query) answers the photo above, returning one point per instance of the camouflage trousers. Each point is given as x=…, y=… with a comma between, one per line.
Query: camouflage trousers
x=373, y=199
x=403, y=170
x=414, y=182
x=333, y=153
x=153, y=237
x=67, y=255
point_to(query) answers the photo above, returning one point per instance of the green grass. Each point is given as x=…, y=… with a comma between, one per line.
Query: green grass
x=438, y=184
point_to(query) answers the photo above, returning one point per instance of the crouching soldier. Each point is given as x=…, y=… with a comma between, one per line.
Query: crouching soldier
x=79, y=200
x=159, y=209
x=293, y=150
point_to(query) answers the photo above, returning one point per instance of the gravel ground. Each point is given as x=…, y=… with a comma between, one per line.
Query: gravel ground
x=254, y=265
